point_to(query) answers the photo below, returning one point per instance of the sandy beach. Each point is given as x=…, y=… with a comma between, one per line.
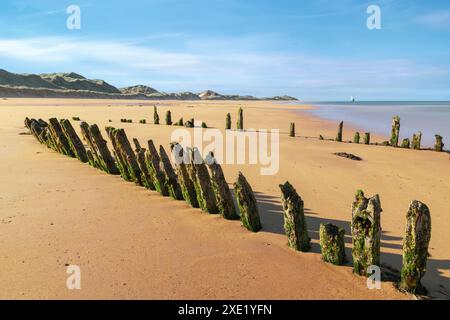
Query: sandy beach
x=131, y=243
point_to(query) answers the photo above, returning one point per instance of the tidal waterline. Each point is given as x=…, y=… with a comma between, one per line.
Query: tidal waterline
x=429, y=117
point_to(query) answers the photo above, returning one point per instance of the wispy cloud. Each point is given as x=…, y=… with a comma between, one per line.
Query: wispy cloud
x=247, y=71
x=436, y=20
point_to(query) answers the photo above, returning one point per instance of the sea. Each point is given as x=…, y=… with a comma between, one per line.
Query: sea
x=429, y=117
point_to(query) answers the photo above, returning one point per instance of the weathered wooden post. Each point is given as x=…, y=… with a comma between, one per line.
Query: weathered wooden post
x=240, y=122
x=180, y=122
x=121, y=162
x=247, y=204
x=105, y=160
x=367, y=138
x=415, y=247
x=416, y=141
x=356, y=138
x=182, y=161
x=339, y=134
x=189, y=123
x=292, y=130
x=155, y=115
x=294, y=219
x=366, y=232
x=439, y=145
x=199, y=174
x=127, y=155
x=221, y=189
x=228, y=122
x=74, y=141
x=145, y=175
x=154, y=168
x=168, y=118
x=406, y=143
x=332, y=243
x=171, y=177
x=395, y=131
x=62, y=145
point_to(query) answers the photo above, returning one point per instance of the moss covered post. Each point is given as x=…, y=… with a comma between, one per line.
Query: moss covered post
x=366, y=232
x=171, y=177
x=168, y=118
x=339, y=134
x=126, y=153
x=61, y=143
x=240, y=122
x=415, y=247
x=228, y=122
x=198, y=172
x=406, y=143
x=395, y=131
x=439, y=144
x=356, y=138
x=247, y=204
x=74, y=141
x=221, y=189
x=182, y=162
x=153, y=162
x=105, y=160
x=332, y=243
x=294, y=218
x=155, y=115
x=416, y=141
x=367, y=138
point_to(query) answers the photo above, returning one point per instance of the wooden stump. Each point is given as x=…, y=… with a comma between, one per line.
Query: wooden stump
x=198, y=172
x=153, y=161
x=121, y=162
x=366, y=232
x=61, y=143
x=146, y=178
x=339, y=134
x=415, y=247
x=228, y=122
x=367, y=138
x=292, y=130
x=127, y=155
x=181, y=164
x=171, y=177
x=416, y=141
x=240, y=122
x=356, y=138
x=74, y=141
x=294, y=219
x=439, y=145
x=406, y=143
x=168, y=118
x=155, y=115
x=221, y=189
x=395, y=131
x=332, y=243
x=247, y=204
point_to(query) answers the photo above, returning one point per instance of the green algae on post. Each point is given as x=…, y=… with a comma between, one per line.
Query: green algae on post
x=74, y=141
x=221, y=189
x=395, y=131
x=153, y=162
x=367, y=138
x=406, y=143
x=415, y=247
x=247, y=204
x=155, y=115
x=294, y=218
x=240, y=122
x=356, y=138
x=168, y=118
x=439, y=144
x=416, y=141
x=228, y=122
x=172, y=184
x=332, y=243
x=366, y=232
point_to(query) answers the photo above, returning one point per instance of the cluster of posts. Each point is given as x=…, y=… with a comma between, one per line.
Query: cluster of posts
x=414, y=143
x=201, y=183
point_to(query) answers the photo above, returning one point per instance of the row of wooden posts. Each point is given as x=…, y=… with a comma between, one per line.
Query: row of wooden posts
x=414, y=143
x=208, y=190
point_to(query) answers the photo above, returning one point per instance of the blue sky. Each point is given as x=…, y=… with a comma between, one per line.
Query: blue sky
x=312, y=49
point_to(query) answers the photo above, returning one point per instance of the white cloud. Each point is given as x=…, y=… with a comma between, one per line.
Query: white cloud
x=236, y=70
x=437, y=20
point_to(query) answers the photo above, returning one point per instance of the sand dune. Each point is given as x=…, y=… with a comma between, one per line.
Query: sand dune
x=133, y=243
